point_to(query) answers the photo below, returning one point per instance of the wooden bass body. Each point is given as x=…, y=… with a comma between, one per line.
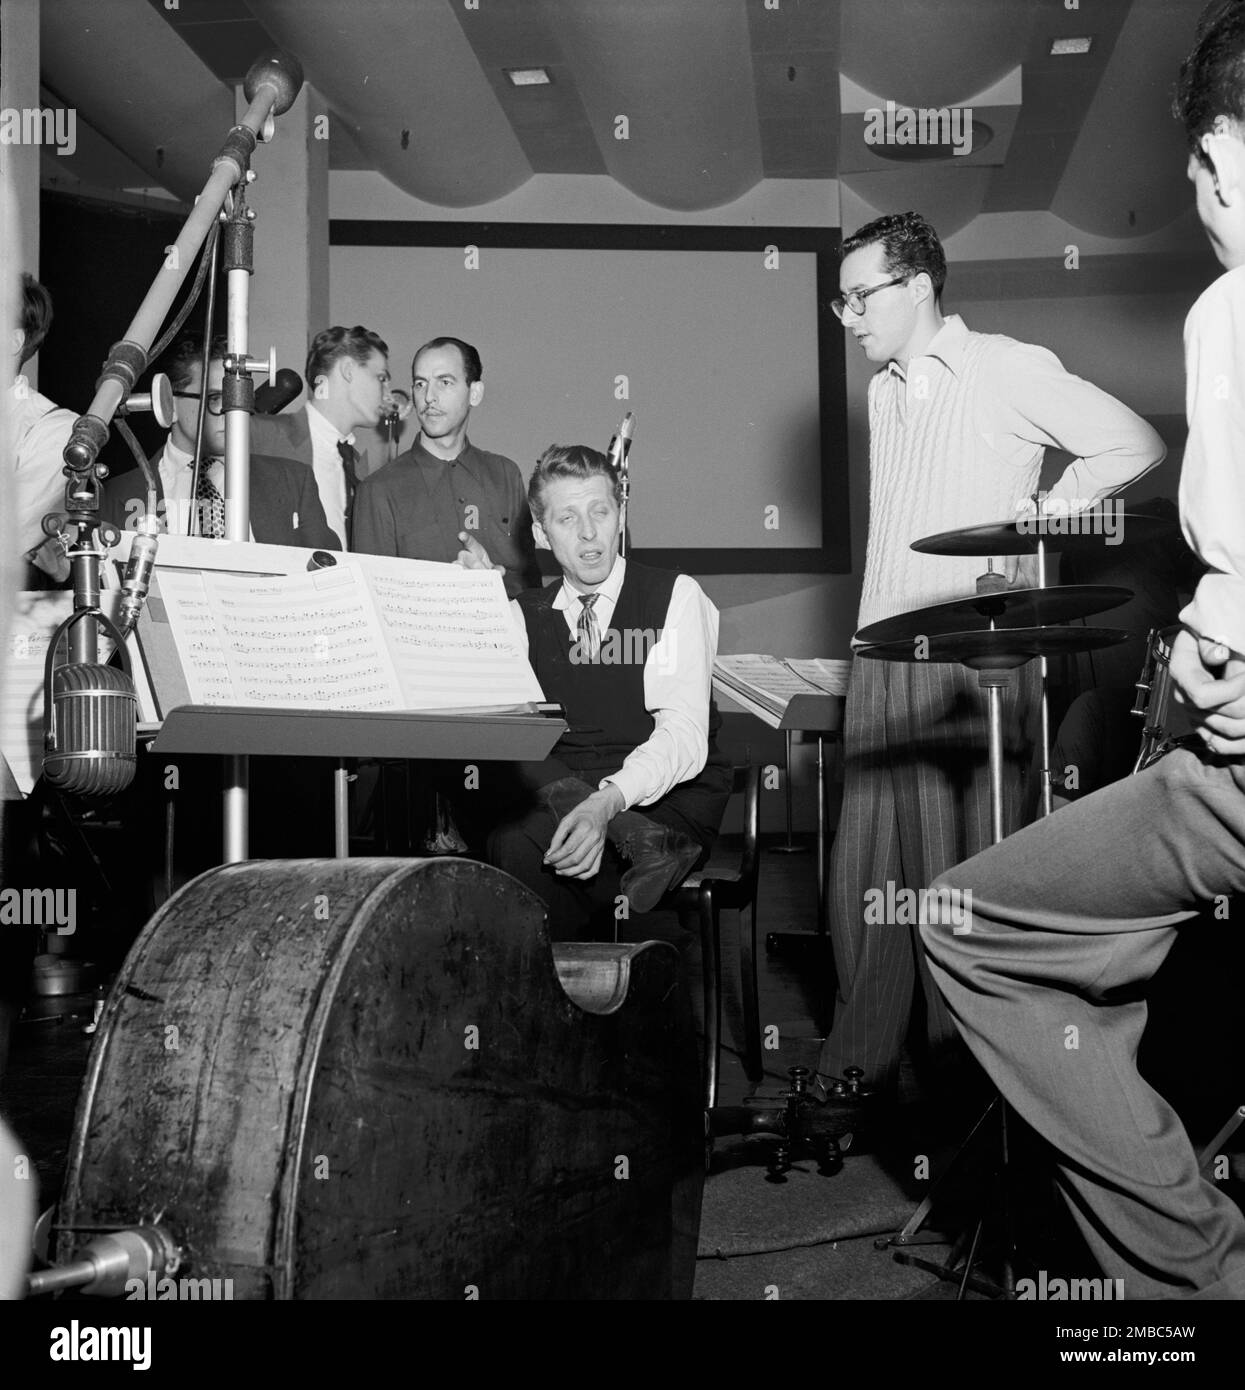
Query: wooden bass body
x=366, y=1079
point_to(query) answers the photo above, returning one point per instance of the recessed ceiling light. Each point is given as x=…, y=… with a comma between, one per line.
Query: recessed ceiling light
x=528, y=77
x=1059, y=47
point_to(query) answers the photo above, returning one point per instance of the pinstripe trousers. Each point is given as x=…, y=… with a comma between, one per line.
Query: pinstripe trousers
x=916, y=800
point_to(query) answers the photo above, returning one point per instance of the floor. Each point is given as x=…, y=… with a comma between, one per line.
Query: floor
x=798, y=1234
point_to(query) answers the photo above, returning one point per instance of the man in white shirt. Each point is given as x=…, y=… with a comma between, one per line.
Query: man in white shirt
x=628, y=652
x=347, y=375
x=1045, y=973
x=40, y=431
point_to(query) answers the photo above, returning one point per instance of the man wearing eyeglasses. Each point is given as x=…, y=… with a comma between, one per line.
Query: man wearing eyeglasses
x=959, y=423
x=285, y=508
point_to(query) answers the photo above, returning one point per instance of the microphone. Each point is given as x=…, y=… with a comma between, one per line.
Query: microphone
x=90, y=718
x=275, y=395
x=620, y=445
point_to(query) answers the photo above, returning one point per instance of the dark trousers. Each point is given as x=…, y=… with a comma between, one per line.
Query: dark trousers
x=1070, y=918
x=916, y=800
x=523, y=829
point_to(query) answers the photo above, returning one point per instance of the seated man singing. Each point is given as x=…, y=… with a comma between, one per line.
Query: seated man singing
x=628, y=652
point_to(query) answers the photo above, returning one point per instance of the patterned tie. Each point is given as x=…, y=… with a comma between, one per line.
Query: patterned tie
x=211, y=503
x=589, y=632
x=349, y=459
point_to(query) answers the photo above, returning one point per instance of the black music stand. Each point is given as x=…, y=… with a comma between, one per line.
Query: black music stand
x=232, y=730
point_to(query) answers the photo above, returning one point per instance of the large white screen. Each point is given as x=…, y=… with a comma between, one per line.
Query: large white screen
x=719, y=353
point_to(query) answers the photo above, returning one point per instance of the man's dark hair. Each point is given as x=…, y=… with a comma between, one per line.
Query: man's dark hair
x=1212, y=77
x=473, y=368
x=180, y=362
x=36, y=317
x=910, y=244
x=569, y=461
x=330, y=345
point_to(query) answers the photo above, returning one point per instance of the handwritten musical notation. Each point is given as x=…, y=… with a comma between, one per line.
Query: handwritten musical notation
x=367, y=634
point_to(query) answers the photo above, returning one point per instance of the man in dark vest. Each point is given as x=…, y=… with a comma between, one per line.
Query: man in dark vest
x=628, y=652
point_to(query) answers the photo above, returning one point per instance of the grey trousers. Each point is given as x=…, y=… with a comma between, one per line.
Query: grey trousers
x=1069, y=919
x=916, y=800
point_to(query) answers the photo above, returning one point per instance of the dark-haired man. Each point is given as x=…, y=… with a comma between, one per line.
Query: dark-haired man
x=347, y=374
x=628, y=652
x=959, y=422
x=444, y=499
x=1072, y=917
x=284, y=505
x=40, y=430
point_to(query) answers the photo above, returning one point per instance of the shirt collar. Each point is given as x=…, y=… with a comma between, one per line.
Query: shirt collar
x=323, y=429
x=465, y=456
x=610, y=589
x=947, y=345
x=175, y=456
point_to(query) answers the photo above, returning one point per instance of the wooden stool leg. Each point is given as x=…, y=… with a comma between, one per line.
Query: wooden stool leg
x=711, y=965
x=751, y=993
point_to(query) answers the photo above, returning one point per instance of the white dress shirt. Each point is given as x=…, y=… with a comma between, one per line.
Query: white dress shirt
x=326, y=463
x=40, y=429
x=677, y=675
x=1212, y=478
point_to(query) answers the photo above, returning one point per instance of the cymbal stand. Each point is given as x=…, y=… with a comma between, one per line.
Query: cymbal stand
x=1048, y=804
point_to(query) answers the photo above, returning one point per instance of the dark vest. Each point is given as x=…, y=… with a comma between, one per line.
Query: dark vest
x=604, y=702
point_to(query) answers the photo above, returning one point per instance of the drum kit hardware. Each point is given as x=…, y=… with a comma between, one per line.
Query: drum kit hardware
x=993, y=632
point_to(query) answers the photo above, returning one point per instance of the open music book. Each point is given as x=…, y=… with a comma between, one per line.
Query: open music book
x=772, y=682
x=380, y=635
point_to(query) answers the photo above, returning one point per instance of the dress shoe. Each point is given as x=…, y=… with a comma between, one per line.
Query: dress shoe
x=661, y=858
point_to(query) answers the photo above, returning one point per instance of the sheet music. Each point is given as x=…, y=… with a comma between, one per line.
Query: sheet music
x=451, y=634
x=310, y=641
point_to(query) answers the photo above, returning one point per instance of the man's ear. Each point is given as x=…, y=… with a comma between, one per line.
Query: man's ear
x=17, y=341
x=475, y=393
x=538, y=535
x=922, y=287
x=1225, y=154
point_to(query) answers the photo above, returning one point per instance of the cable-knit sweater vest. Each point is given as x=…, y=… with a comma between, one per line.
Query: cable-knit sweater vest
x=930, y=470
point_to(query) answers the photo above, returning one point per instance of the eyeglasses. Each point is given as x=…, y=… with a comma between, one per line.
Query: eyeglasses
x=215, y=400
x=855, y=301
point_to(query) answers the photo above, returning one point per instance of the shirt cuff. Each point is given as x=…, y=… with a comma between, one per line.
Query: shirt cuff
x=626, y=785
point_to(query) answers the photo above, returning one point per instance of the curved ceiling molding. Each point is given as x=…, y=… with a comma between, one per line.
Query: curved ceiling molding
x=1125, y=176
x=412, y=90
x=947, y=198
x=685, y=87
x=932, y=52
x=140, y=87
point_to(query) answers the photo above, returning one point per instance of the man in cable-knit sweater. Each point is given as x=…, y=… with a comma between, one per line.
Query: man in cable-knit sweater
x=958, y=422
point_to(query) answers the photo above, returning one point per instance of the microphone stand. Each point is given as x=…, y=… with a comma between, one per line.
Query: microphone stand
x=271, y=86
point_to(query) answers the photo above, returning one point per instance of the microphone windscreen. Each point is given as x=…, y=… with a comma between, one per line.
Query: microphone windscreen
x=274, y=396
x=91, y=731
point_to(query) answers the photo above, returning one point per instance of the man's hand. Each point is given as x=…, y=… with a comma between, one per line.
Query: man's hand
x=473, y=555
x=579, y=841
x=1210, y=683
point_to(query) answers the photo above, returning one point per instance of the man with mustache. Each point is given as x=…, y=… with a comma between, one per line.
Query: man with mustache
x=444, y=498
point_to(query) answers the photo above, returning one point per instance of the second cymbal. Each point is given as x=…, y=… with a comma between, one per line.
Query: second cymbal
x=1008, y=608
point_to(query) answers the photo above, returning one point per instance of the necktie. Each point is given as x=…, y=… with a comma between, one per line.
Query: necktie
x=589, y=632
x=349, y=459
x=211, y=503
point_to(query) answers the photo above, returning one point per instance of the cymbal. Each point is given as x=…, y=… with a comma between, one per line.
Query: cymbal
x=1089, y=529
x=1009, y=608
x=1000, y=649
